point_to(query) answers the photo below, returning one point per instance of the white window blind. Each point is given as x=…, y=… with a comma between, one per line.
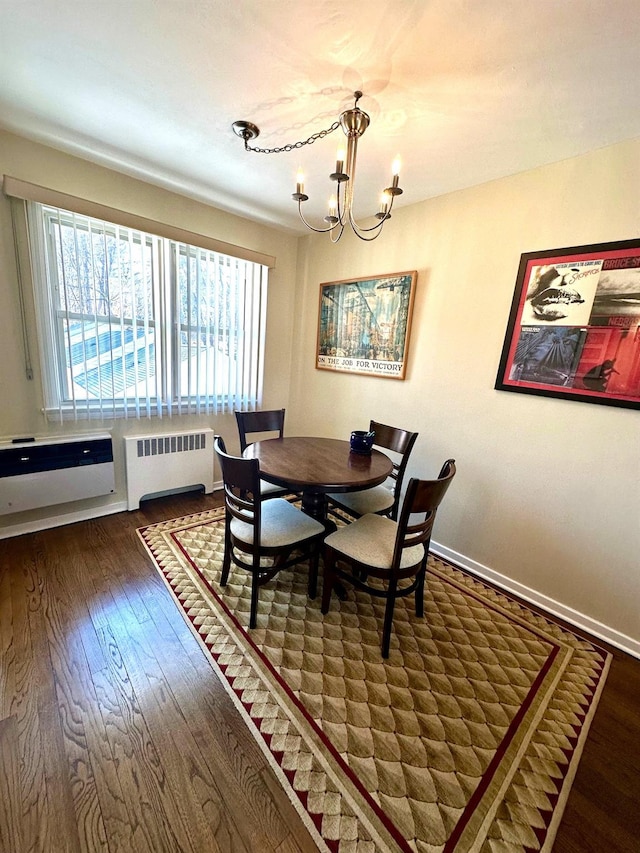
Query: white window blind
x=133, y=324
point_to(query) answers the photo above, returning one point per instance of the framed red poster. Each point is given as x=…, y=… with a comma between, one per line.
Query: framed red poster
x=574, y=326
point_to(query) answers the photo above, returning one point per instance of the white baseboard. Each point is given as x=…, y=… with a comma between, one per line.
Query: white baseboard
x=60, y=520
x=574, y=617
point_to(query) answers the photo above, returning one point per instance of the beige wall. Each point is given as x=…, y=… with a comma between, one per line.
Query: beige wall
x=21, y=400
x=548, y=491
x=547, y=497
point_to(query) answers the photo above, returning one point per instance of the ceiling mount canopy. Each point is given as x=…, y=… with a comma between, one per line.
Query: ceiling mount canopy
x=354, y=123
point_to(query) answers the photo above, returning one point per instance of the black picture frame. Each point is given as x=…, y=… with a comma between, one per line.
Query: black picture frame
x=574, y=326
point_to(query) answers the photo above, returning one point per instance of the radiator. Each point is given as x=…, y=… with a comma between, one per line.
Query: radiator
x=41, y=473
x=159, y=464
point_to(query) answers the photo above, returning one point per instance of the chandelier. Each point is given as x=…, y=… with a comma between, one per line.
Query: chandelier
x=353, y=122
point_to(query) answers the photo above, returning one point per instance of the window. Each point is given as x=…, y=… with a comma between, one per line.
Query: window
x=136, y=325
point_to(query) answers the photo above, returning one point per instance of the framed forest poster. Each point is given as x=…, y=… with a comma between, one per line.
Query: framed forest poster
x=364, y=324
x=574, y=326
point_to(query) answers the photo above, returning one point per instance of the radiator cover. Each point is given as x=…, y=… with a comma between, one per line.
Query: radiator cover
x=48, y=472
x=162, y=463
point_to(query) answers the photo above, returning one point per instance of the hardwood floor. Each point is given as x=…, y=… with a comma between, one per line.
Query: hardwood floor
x=115, y=734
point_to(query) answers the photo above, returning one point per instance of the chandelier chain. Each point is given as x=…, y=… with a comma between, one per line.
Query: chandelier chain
x=293, y=145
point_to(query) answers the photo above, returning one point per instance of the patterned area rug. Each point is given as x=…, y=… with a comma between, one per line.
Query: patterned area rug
x=466, y=739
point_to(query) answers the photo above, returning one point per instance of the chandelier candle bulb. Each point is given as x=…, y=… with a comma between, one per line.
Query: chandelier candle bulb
x=332, y=206
x=300, y=182
x=340, y=161
x=395, y=171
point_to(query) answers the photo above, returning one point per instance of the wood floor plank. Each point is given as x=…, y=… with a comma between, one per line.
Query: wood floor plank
x=150, y=829
x=85, y=650
x=154, y=825
x=140, y=767
x=37, y=717
x=128, y=624
x=73, y=700
x=10, y=799
x=7, y=649
x=203, y=813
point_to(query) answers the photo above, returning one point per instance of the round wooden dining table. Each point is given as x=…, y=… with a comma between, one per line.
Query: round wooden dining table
x=316, y=466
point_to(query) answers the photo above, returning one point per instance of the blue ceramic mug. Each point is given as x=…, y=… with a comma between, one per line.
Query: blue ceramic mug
x=362, y=441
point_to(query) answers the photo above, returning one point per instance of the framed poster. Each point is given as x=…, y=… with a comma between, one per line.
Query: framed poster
x=364, y=323
x=574, y=326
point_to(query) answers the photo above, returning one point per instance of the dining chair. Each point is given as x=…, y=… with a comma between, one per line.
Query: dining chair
x=385, y=498
x=264, y=422
x=263, y=537
x=393, y=553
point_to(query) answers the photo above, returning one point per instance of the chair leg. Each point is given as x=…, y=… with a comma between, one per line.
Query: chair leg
x=388, y=618
x=313, y=570
x=226, y=560
x=328, y=578
x=419, y=593
x=253, y=612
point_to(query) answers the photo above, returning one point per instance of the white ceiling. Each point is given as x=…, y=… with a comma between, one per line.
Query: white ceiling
x=464, y=90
